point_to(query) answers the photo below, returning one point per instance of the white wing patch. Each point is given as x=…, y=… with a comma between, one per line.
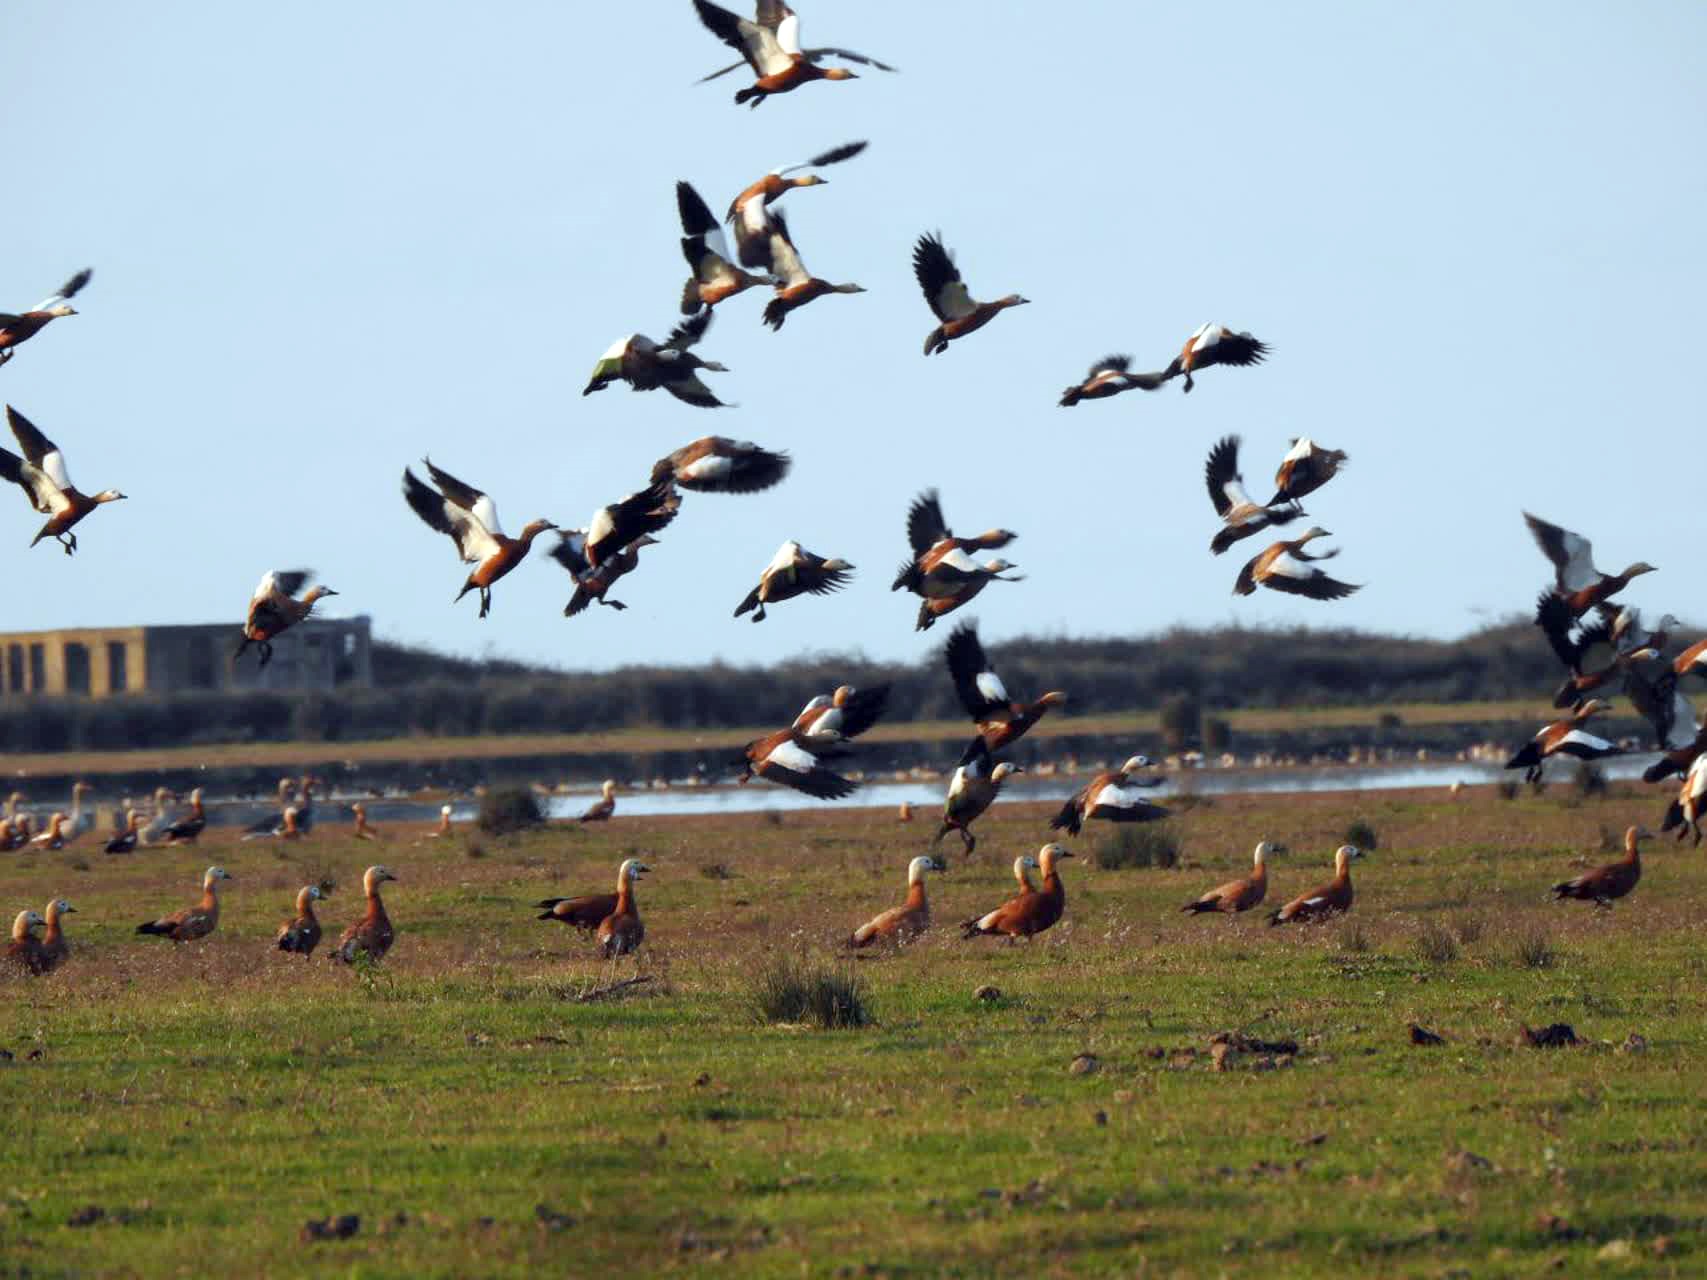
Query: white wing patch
x=959, y=561
x=956, y=301
x=485, y=512
x=1287, y=565
x=1302, y=447
x=602, y=524
x=1579, y=570
x=1577, y=738
x=991, y=687
x=1114, y=796
x=793, y=758
x=53, y=467
x=788, y=34
x=1237, y=494
x=710, y=467
x=618, y=347
x=786, y=557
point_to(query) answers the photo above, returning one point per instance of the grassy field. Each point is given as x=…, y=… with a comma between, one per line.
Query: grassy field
x=209, y=1100
x=285, y=755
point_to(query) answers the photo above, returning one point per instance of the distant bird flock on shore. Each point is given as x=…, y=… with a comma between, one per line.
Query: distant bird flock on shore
x=1603, y=646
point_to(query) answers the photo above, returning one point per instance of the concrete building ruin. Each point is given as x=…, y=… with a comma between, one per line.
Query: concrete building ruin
x=102, y=662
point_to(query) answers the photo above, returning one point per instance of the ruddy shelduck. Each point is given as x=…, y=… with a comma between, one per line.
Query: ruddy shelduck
x=363, y=830
x=301, y=933
x=188, y=829
x=1305, y=468
x=25, y=948
x=1614, y=880
x=1289, y=567
x=973, y=789
x=192, y=922
x=1332, y=898
x=20, y=327
x=1566, y=737
x=717, y=464
x=844, y=714
x=41, y=473
x=274, y=608
x=1214, y=344
x=1109, y=377
x=716, y=274
x=1112, y=796
x=796, y=286
x=620, y=933
x=770, y=45
x=794, y=571
x=947, y=296
x=1030, y=911
x=1241, y=517
x=646, y=365
x=371, y=935
x=129, y=836
x=902, y=924
x=1000, y=719
x=1575, y=579
x=749, y=212
x=602, y=808
x=469, y=518
x=788, y=758
x=54, y=948
x=1241, y=894
x=1685, y=813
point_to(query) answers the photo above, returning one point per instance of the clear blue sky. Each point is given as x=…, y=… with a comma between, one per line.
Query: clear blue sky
x=331, y=237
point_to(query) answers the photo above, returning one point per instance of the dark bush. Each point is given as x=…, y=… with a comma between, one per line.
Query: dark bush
x=786, y=989
x=1361, y=834
x=1154, y=844
x=1181, y=719
x=504, y=810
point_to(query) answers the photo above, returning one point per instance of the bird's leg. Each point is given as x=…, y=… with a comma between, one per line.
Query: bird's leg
x=1189, y=384
x=969, y=840
x=485, y=601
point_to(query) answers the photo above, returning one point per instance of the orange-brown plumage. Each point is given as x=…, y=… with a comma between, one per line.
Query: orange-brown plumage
x=372, y=935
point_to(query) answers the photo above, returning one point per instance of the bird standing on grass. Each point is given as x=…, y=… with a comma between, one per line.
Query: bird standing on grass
x=1030, y=911
x=192, y=922
x=906, y=922
x=1614, y=880
x=371, y=935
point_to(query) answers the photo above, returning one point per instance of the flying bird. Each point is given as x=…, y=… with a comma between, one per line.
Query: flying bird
x=793, y=760
x=1305, y=468
x=1567, y=737
x=646, y=365
x=797, y=286
x=1575, y=579
x=999, y=718
x=15, y=329
x=1214, y=344
x=976, y=782
x=1109, y=377
x=594, y=582
x=274, y=608
x=794, y=571
x=948, y=298
x=717, y=464
x=470, y=519
x=770, y=45
x=41, y=474
x=844, y=714
x=1288, y=567
x=715, y=273
x=941, y=571
x=1242, y=517
x=1113, y=796
x=749, y=212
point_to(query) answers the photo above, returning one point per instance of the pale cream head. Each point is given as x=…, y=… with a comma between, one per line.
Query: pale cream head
x=373, y=877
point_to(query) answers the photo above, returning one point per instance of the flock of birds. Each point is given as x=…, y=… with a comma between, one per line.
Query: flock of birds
x=941, y=568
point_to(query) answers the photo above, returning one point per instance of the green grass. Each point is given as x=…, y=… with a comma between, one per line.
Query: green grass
x=213, y=1098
